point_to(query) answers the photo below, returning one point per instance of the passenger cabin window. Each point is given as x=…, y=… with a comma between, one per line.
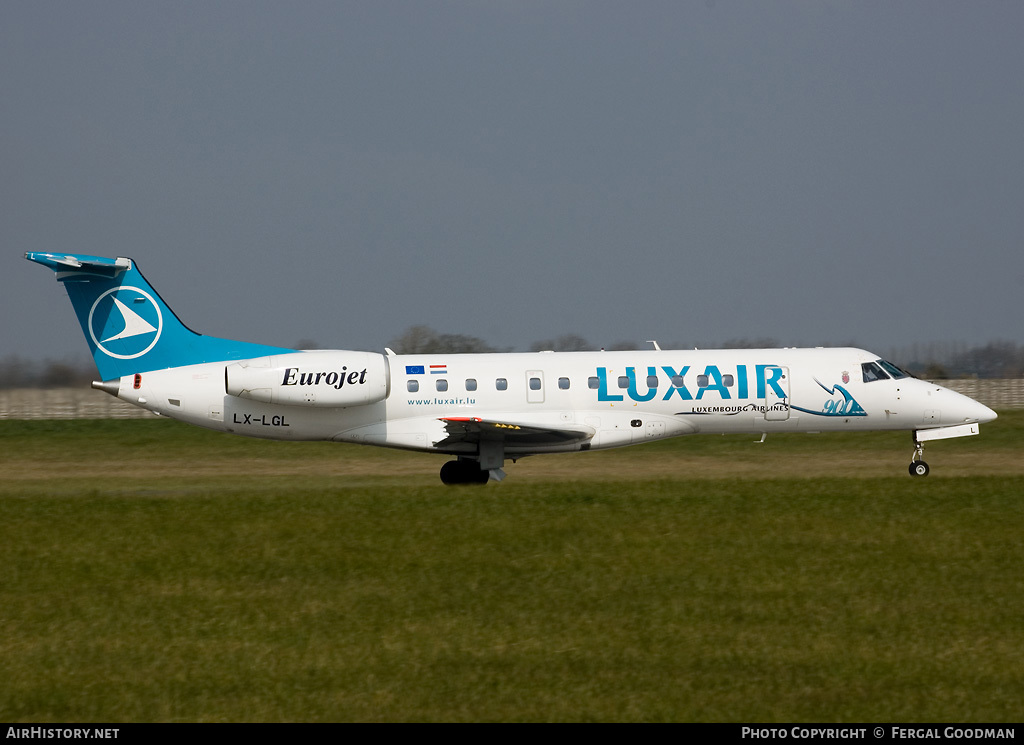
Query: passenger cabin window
x=652, y=381
x=501, y=384
x=728, y=380
x=470, y=384
x=441, y=384
x=623, y=381
x=702, y=381
x=534, y=384
x=563, y=383
x=873, y=372
x=413, y=386
x=677, y=381
x=593, y=383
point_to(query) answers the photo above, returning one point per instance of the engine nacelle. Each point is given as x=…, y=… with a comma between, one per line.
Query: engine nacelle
x=322, y=378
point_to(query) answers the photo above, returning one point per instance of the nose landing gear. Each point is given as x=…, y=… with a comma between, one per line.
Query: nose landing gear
x=917, y=466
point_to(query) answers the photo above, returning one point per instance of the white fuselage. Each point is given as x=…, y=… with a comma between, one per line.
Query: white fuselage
x=610, y=399
x=484, y=408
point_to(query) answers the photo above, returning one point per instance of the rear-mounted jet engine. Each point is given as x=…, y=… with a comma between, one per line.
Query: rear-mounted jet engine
x=332, y=379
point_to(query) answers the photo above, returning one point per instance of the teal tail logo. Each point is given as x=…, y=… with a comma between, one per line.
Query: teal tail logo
x=127, y=325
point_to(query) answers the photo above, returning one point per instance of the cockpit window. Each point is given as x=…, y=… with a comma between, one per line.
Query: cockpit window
x=896, y=372
x=872, y=371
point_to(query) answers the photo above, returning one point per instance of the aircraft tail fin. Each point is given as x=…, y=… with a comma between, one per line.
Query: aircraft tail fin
x=128, y=326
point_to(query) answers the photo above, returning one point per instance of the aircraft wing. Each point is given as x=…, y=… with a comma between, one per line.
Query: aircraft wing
x=474, y=429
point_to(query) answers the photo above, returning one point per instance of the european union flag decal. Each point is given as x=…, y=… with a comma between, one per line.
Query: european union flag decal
x=414, y=370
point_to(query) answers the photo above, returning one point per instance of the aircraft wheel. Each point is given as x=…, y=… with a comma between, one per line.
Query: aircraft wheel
x=463, y=472
x=451, y=473
x=919, y=468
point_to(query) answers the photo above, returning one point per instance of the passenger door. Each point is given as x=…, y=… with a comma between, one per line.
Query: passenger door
x=776, y=407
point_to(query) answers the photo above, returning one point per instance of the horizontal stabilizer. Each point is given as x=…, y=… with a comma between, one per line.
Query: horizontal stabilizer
x=68, y=265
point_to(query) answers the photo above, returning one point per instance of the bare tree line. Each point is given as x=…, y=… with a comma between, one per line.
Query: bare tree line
x=932, y=360
x=18, y=372
x=996, y=359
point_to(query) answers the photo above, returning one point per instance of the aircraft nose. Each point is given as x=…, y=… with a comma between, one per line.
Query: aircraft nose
x=984, y=414
x=973, y=411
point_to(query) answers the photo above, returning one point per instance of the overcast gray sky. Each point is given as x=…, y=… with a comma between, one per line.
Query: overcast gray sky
x=692, y=172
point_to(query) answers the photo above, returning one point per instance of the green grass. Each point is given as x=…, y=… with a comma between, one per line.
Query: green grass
x=154, y=572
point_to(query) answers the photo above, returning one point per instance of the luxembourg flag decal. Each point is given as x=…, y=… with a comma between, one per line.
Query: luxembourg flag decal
x=439, y=369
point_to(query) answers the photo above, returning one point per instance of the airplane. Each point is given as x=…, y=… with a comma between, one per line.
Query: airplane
x=484, y=409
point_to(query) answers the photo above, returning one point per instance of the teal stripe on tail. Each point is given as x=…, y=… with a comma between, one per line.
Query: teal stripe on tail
x=127, y=325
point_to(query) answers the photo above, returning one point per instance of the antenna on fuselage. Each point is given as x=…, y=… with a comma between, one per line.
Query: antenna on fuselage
x=655, y=343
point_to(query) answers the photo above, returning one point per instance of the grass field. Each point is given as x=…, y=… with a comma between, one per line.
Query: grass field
x=155, y=572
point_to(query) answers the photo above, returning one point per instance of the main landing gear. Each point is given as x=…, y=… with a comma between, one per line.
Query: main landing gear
x=485, y=465
x=464, y=471
x=917, y=466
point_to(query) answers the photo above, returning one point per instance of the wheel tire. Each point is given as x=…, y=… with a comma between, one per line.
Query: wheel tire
x=919, y=468
x=463, y=472
x=451, y=473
